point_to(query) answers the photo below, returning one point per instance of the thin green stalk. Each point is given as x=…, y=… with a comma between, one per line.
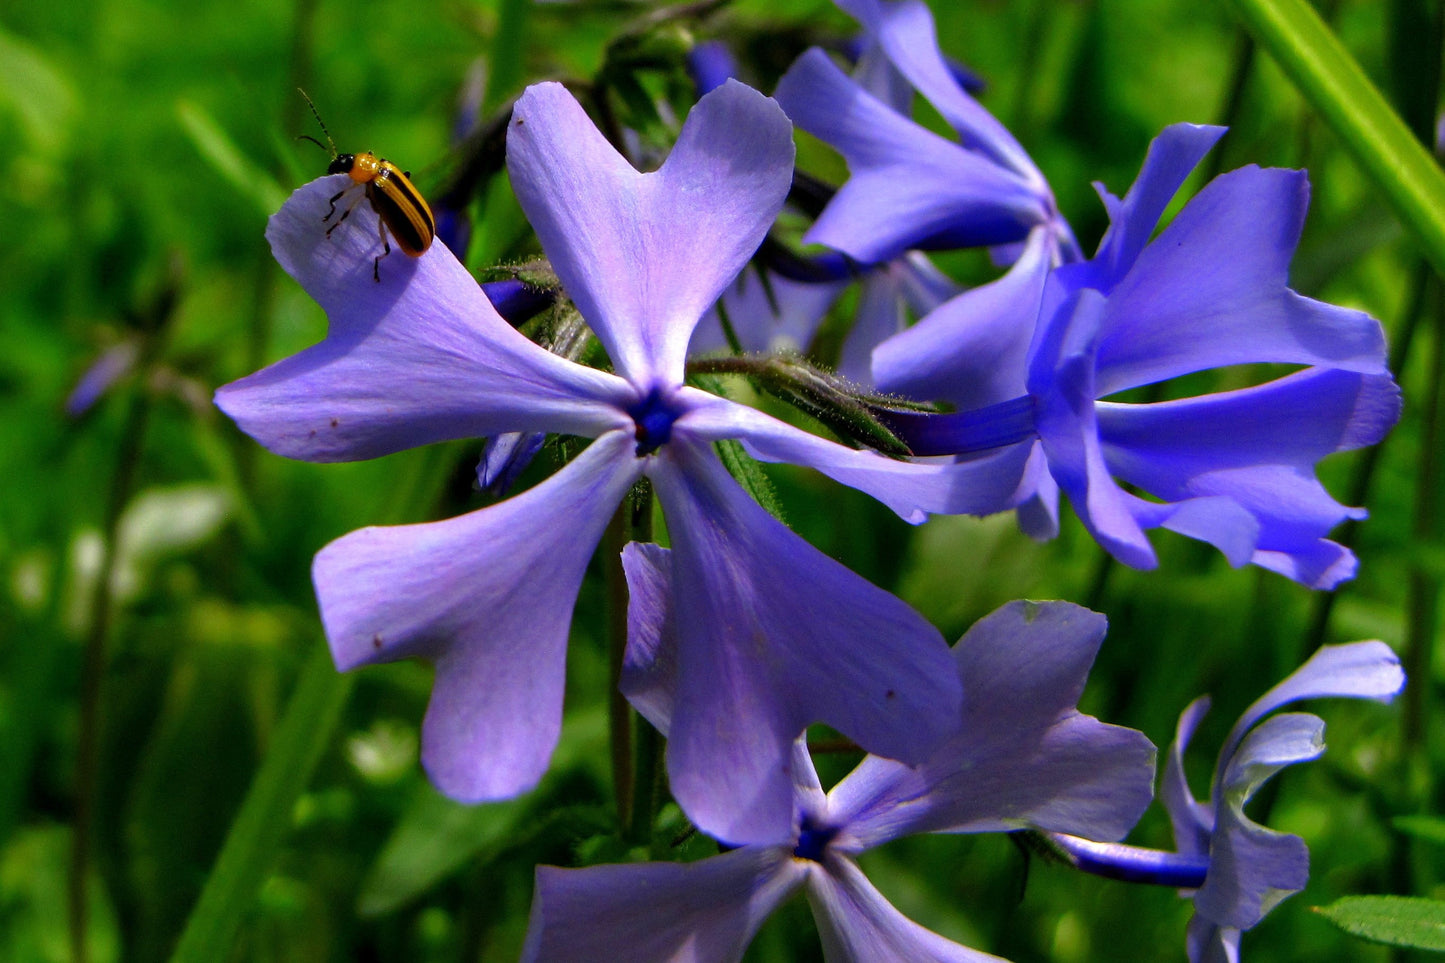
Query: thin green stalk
x=1422, y=607
x=303, y=736
x=92, y=673
x=647, y=742
x=1417, y=28
x=265, y=816
x=1358, y=492
x=1333, y=83
x=619, y=713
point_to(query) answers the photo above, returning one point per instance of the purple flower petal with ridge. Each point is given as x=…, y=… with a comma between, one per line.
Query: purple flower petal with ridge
x=1213, y=290
x=905, y=31
x=488, y=597
x=419, y=357
x=649, y=667
x=644, y=255
x=774, y=636
x=1024, y=755
x=1171, y=158
x=972, y=350
x=907, y=185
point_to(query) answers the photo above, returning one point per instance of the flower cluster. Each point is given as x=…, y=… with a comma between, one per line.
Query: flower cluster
x=742, y=635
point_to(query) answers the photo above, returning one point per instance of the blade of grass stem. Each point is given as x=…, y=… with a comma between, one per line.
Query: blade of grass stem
x=265, y=816
x=1334, y=85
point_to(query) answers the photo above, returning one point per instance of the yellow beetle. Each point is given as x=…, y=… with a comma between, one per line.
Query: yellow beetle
x=398, y=204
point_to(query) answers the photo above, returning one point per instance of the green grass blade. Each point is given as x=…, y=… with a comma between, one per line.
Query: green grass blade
x=227, y=159
x=265, y=817
x=1333, y=83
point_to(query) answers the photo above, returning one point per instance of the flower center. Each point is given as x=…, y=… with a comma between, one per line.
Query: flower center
x=813, y=839
x=653, y=416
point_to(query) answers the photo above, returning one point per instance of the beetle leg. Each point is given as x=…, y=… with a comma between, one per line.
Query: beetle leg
x=332, y=210
x=385, y=250
x=344, y=214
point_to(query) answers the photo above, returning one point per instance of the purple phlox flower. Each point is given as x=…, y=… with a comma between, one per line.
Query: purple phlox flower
x=1235, y=468
x=1234, y=869
x=1252, y=868
x=908, y=187
x=422, y=356
x=1022, y=755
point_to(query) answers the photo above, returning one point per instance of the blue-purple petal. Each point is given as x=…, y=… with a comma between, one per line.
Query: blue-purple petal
x=774, y=636
x=488, y=598
x=858, y=925
x=908, y=187
x=1172, y=157
x=905, y=31
x=971, y=350
x=1252, y=868
x=644, y=255
x=1357, y=670
x=649, y=666
x=1207, y=943
x=912, y=489
x=1023, y=756
x=419, y=357
x=702, y=912
x=1213, y=290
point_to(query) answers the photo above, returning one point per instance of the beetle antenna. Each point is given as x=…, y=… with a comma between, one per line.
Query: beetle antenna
x=322, y=123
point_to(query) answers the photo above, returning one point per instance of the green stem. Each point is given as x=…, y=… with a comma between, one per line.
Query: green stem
x=92, y=673
x=1333, y=83
x=265, y=816
x=1358, y=492
x=619, y=713
x=647, y=742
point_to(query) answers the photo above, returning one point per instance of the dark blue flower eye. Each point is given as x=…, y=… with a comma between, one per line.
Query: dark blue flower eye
x=654, y=417
x=813, y=839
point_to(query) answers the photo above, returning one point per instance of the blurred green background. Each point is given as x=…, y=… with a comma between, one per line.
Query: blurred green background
x=145, y=538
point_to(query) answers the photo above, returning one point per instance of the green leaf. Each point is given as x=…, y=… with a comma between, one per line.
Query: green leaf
x=256, y=835
x=1397, y=920
x=1333, y=83
x=228, y=160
